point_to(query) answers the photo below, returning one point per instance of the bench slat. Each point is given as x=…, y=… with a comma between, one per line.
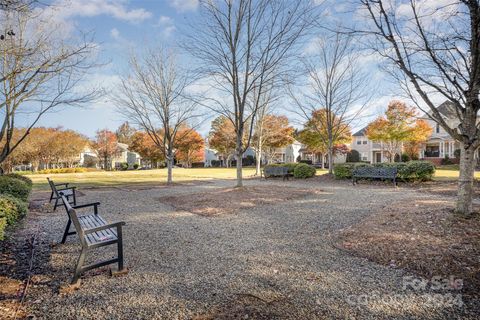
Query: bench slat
x=93, y=221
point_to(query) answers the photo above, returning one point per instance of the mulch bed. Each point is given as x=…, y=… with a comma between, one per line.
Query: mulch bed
x=24, y=259
x=425, y=237
x=230, y=200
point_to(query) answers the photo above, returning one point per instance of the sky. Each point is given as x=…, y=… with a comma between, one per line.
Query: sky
x=120, y=25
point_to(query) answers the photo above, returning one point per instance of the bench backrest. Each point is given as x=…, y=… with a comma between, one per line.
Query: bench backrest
x=388, y=172
x=72, y=214
x=52, y=185
x=276, y=170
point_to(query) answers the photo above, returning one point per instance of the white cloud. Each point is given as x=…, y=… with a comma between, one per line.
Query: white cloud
x=115, y=33
x=65, y=9
x=184, y=5
x=167, y=24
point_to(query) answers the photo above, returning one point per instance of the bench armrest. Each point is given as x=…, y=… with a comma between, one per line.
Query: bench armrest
x=93, y=204
x=61, y=184
x=69, y=188
x=107, y=226
x=86, y=205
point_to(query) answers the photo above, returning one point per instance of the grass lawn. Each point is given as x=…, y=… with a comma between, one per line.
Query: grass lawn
x=154, y=177
x=449, y=174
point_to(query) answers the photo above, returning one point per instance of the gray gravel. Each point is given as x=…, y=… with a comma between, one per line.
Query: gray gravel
x=274, y=261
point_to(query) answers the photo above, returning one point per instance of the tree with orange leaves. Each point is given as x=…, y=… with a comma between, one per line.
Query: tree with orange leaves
x=189, y=147
x=397, y=127
x=106, y=146
x=143, y=144
x=273, y=132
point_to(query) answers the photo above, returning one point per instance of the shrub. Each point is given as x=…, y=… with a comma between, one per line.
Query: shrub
x=11, y=210
x=446, y=161
x=405, y=157
x=306, y=161
x=3, y=225
x=216, y=163
x=344, y=170
x=27, y=180
x=198, y=164
x=291, y=166
x=456, y=153
x=124, y=166
x=14, y=187
x=303, y=171
x=63, y=170
x=353, y=156
x=420, y=170
x=135, y=166
x=406, y=171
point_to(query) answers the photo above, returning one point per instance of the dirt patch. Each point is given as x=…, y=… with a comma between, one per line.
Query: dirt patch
x=423, y=236
x=230, y=200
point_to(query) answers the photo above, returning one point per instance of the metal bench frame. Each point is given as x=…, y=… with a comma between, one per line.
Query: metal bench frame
x=374, y=173
x=89, y=238
x=55, y=195
x=275, y=172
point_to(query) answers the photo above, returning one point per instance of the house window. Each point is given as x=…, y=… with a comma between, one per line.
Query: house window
x=364, y=156
x=359, y=141
x=437, y=128
x=365, y=141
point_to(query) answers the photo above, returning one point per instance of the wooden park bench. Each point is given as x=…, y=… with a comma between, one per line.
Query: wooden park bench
x=269, y=172
x=94, y=232
x=374, y=173
x=69, y=193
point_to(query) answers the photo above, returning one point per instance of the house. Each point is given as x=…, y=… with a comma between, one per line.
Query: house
x=319, y=159
x=286, y=154
x=369, y=150
x=125, y=156
x=210, y=155
x=440, y=144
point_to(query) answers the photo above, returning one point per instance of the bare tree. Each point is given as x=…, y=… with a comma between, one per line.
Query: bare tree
x=244, y=46
x=335, y=84
x=154, y=97
x=38, y=73
x=435, y=51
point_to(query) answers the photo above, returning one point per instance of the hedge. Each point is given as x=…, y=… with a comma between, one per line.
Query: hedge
x=303, y=171
x=407, y=171
x=11, y=210
x=14, y=187
x=27, y=180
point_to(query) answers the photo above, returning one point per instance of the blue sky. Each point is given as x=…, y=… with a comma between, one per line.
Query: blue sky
x=118, y=26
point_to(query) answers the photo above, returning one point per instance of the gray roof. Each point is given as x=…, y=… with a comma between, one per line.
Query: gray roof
x=447, y=109
x=360, y=133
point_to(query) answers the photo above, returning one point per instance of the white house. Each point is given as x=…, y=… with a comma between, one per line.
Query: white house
x=210, y=155
x=369, y=151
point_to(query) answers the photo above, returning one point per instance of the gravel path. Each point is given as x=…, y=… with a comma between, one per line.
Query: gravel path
x=275, y=261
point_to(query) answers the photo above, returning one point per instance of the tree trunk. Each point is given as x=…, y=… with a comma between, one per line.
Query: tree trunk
x=323, y=160
x=169, y=167
x=330, y=161
x=238, y=153
x=258, y=155
x=465, y=181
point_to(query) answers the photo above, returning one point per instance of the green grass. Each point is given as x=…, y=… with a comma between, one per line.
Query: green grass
x=153, y=177
x=449, y=174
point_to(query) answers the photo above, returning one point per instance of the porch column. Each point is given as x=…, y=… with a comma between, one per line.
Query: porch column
x=452, y=148
x=441, y=146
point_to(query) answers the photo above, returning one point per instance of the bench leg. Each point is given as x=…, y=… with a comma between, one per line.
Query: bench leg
x=120, y=249
x=56, y=204
x=51, y=197
x=67, y=228
x=74, y=198
x=78, y=269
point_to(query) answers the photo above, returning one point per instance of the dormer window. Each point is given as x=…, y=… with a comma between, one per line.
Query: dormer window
x=437, y=128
